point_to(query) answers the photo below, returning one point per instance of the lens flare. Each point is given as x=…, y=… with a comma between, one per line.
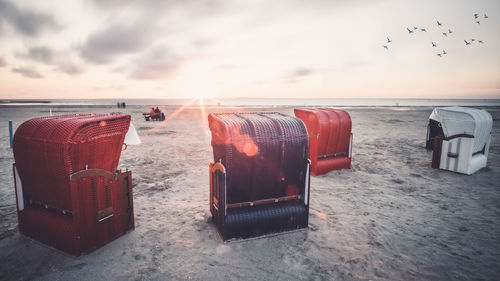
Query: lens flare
x=246, y=145
x=203, y=121
x=171, y=116
x=321, y=215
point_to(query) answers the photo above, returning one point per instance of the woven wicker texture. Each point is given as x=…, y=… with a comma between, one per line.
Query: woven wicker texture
x=48, y=149
x=265, y=154
x=329, y=135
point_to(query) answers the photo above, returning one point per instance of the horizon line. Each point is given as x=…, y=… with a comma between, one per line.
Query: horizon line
x=235, y=98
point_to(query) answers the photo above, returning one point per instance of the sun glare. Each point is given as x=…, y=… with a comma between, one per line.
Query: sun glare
x=198, y=104
x=170, y=116
x=203, y=119
x=197, y=80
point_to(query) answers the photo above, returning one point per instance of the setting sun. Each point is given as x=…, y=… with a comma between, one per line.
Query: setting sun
x=196, y=80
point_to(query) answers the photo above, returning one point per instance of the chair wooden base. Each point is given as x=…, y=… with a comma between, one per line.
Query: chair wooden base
x=252, y=219
x=102, y=210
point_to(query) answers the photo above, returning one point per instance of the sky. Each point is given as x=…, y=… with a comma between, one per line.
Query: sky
x=249, y=48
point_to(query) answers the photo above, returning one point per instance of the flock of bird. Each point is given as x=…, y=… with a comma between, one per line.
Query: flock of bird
x=477, y=19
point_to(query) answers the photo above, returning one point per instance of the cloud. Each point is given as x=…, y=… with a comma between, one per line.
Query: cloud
x=3, y=62
x=26, y=22
x=148, y=23
x=159, y=7
x=29, y=72
x=70, y=69
x=42, y=54
x=157, y=64
x=111, y=3
x=298, y=73
x=102, y=46
x=201, y=43
x=48, y=56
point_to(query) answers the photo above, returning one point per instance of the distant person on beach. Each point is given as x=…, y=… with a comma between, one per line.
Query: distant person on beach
x=152, y=111
x=158, y=113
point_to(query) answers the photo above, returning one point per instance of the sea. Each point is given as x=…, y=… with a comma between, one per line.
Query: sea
x=253, y=102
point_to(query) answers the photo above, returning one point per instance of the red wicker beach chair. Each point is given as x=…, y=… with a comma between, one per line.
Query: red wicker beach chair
x=70, y=194
x=259, y=181
x=330, y=138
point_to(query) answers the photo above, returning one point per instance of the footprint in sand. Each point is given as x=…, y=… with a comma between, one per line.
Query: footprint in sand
x=398, y=181
x=139, y=257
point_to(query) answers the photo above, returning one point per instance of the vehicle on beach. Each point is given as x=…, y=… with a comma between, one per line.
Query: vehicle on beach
x=154, y=117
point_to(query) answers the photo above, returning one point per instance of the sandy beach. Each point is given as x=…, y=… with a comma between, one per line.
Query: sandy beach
x=391, y=217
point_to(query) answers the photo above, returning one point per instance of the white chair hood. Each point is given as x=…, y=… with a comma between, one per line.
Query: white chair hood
x=462, y=120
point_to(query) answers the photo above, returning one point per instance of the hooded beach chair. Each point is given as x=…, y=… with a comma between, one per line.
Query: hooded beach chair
x=460, y=138
x=259, y=181
x=69, y=192
x=330, y=138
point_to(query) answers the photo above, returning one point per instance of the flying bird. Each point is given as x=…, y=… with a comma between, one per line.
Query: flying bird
x=433, y=45
x=478, y=22
x=449, y=31
x=473, y=40
x=385, y=47
x=466, y=43
x=423, y=30
x=409, y=30
x=389, y=40
x=444, y=52
x=445, y=34
x=439, y=55
x=439, y=24
x=485, y=16
x=415, y=28
x=480, y=41
x=476, y=16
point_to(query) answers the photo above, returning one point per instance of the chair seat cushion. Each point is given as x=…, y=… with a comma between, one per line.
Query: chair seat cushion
x=263, y=219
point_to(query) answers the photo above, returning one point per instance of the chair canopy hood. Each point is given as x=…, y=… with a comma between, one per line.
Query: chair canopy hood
x=331, y=126
x=264, y=153
x=457, y=120
x=48, y=149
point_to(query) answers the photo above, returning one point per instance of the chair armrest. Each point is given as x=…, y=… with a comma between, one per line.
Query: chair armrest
x=217, y=188
x=459, y=136
x=92, y=173
x=307, y=184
